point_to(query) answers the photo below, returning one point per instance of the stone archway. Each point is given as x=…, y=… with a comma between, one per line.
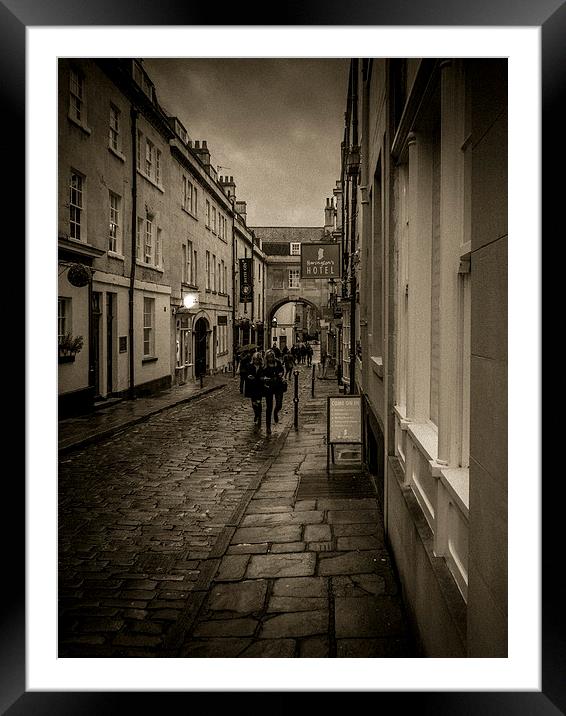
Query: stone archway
x=272, y=310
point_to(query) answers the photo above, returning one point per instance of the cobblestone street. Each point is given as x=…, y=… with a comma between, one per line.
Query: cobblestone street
x=193, y=535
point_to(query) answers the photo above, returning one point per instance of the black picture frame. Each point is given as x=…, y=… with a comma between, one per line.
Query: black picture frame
x=15, y=17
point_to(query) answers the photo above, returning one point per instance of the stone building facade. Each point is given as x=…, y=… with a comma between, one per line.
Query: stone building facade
x=424, y=217
x=150, y=231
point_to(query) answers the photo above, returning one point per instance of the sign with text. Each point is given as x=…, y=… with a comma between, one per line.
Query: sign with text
x=246, y=280
x=320, y=261
x=344, y=419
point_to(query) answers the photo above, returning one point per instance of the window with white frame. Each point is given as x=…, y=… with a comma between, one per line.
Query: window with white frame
x=158, y=252
x=148, y=327
x=295, y=249
x=213, y=220
x=185, y=264
x=213, y=272
x=207, y=214
x=225, y=279
x=114, y=232
x=149, y=167
x=114, y=129
x=190, y=277
x=222, y=277
x=76, y=206
x=435, y=281
x=77, y=97
x=142, y=80
x=63, y=318
x=189, y=196
x=208, y=270
x=294, y=278
x=157, y=166
x=139, y=233
x=148, y=158
x=195, y=266
x=148, y=240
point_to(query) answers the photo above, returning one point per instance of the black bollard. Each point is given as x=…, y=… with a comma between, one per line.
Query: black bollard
x=313, y=380
x=339, y=373
x=201, y=379
x=296, y=399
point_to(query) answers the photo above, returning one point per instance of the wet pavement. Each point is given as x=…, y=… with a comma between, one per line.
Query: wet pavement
x=193, y=535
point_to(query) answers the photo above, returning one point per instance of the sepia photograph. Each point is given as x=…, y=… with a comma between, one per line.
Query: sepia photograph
x=282, y=369
x=282, y=412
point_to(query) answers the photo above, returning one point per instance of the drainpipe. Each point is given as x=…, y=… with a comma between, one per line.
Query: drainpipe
x=353, y=168
x=233, y=294
x=133, y=118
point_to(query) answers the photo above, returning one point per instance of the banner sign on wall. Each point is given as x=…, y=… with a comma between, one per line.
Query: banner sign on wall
x=246, y=280
x=320, y=261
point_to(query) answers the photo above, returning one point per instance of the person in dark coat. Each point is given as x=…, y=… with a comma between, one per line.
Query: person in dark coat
x=254, y=386
x=243, y=369
x=309, y=354
x=275, y=349
x=273, y=388
x=288, y=363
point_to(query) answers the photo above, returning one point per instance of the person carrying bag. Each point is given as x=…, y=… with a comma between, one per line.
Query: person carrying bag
x=274, y=387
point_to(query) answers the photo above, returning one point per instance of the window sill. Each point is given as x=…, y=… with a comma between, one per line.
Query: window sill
x=117, y=154
x=377, y=365
x=191, y=286
x=149, y=359
x=457, y=482
x=190, y=213
x=66, y=359
x=80, y=125
x=425, y=437
x=149, y=266
x=207, y=290
x=151, y=181
x=114, y=255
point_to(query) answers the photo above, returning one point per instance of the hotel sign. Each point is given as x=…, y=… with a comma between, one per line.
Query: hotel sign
x=320, y=261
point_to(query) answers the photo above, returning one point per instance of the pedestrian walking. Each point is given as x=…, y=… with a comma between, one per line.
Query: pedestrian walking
x=309, y=354
x=274, y=387
x=243, y=370
x=288, y=363
x=254, y=386
x=276, y=351
x=323, y=363
x=303, y=352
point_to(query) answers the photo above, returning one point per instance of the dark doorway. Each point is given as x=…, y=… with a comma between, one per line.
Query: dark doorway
x=201, y=335
x=96, y=314
x=110, y=315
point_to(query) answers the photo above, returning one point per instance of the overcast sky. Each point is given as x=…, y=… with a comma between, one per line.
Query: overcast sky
x=275, y=125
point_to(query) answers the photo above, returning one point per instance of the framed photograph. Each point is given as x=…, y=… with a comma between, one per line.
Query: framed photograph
x=34, y=36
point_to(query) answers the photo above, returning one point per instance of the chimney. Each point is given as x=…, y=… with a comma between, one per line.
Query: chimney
x=202, y=151
x=241, y=209
x=229, y=187
x=329, y=216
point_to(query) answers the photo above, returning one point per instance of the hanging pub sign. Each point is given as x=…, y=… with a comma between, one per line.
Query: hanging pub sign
x=320, y=261
x=246, y=280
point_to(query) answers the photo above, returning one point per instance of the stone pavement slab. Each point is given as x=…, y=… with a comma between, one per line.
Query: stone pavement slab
x=193, y=543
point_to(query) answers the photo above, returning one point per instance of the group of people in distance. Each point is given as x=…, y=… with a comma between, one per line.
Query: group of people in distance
x=264, y=374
